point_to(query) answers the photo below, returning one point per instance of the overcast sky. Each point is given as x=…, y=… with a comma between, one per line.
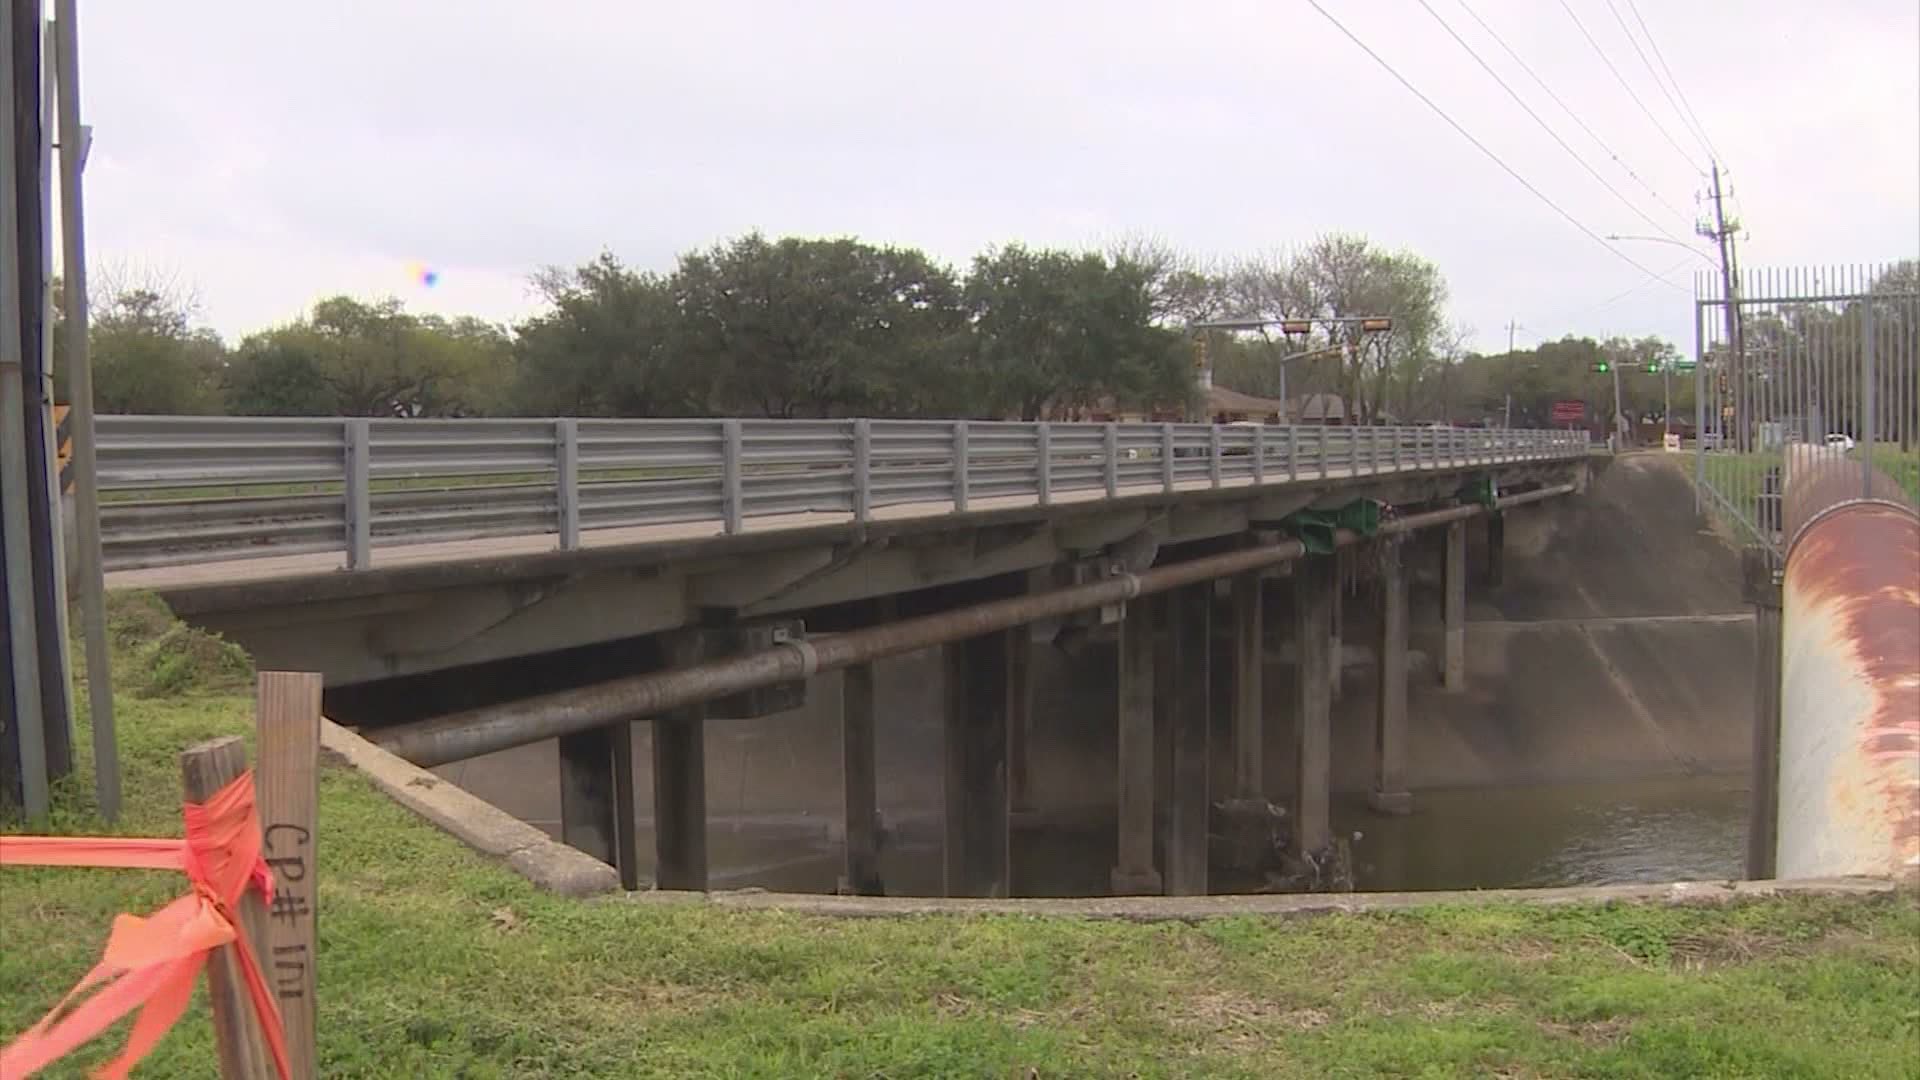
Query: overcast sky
x=267, y=154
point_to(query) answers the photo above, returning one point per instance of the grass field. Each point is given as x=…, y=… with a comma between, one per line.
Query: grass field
x=435, y=962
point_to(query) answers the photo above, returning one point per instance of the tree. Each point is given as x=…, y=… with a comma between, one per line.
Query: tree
x=371, y=358
x=148, y=356
x=1057, y=333
x=604, y=347
x=1340, y=276
x=816, y=327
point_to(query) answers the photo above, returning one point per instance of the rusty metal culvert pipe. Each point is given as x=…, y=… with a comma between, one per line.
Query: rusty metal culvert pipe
x=1849, y=760
x=457, y=736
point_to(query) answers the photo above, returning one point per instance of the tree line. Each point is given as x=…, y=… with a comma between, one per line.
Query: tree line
x=795, y=327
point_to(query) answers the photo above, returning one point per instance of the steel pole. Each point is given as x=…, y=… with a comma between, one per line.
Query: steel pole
x=457, y=736
x=15, y=529
x=74, y=139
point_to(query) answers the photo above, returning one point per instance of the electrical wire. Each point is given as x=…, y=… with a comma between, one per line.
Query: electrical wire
x=1622, y=295
x=1544, y=126
x=1685, y=121
x=1624, y=85
x=1658, y=55
x=1482, y=147
x=1568, y=109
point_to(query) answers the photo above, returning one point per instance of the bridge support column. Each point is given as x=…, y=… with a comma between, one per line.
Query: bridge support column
x=1389, y=794
x=979, y=673
x=861, y=870
x=1249, y=691
x=1453, y=613
x=1189, y=626
x=596, y=798
x=1763, y=808
x=1020, y=719
x=1134, y=873
x=680, y=788
x=1313, y=587
x=1496, y=549
x=1337, y=624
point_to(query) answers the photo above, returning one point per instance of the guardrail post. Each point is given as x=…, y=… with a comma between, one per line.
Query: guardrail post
x=566, y=451
x=1166, y=456
x=358, y=437
x=959, y=464
x=1111, y=438
x=1395, y=438
x=1260, y=454
x=1373, y=448
x=732, y=500
x=1293, y=452
x=1044, y=476
x=863, y=471
x=1323, y=450
x=1213, y=454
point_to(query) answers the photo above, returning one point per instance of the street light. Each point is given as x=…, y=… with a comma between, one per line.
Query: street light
x=1369, y=324
x=1668, y=241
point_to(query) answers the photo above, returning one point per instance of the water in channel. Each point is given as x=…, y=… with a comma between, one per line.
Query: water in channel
x=1690, y=828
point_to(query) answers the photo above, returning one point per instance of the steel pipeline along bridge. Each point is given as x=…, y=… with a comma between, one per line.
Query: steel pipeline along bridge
x=206, y=491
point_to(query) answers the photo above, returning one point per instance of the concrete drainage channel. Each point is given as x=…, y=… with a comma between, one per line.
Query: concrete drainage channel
x=560, y=869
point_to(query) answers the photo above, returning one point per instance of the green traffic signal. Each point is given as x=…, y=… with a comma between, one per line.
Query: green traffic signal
x=1602, y=367
x=1653, y=367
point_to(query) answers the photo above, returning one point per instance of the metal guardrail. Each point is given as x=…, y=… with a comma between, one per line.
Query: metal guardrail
x=204, y=489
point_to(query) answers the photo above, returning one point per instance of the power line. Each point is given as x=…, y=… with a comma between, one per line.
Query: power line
x=1658, y=85
x=1482, y=147
x=1622, y=295
x=1695, y=117
x=1544, y=126
x=1624, y=85
x=1568, y=109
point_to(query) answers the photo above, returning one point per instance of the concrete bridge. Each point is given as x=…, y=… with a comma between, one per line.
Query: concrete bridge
x=468, y=587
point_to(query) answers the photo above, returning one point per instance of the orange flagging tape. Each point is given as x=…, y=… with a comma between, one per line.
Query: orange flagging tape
x=150, y=964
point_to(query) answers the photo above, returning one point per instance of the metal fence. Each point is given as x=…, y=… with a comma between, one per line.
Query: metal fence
x=1806, y=376
x=201, y=489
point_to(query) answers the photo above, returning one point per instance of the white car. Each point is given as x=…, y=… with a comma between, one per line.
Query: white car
x=1837, y=441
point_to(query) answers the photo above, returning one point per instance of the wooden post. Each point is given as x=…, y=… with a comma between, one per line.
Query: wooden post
x=204, y=770
x=287, y=789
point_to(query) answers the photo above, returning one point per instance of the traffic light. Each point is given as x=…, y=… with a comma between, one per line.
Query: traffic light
x=1296, y=326
x=1602, y=367
x=1653, y=367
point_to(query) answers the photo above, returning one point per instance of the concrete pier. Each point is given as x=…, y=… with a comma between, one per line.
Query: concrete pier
x=680, y=785
x=1313, y=584
x=1388, y=793
x=596, y=798
x=860, y=874
x=1453, y=608
x=1134, y=873
x=1189, y=720
x=1249, y=691
x=979, y=708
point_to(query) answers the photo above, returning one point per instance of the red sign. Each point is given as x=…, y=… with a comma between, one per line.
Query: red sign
x=1569, y=412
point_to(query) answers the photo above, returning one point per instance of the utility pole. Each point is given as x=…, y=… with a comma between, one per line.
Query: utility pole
x=1513, y=325
x=1721, y=232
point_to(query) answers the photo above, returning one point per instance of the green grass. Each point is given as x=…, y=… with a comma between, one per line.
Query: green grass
x=436, y=962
